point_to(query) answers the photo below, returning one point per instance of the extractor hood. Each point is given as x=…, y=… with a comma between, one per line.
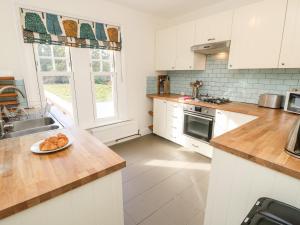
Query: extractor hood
x=212, y=48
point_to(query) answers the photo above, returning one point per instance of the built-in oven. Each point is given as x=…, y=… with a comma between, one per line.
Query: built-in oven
x=198, y=122
x=292, y=102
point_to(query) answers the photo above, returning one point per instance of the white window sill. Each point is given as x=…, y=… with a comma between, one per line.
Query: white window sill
x=107, y=124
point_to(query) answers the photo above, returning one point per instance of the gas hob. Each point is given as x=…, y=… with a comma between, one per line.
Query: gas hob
x=213, y=100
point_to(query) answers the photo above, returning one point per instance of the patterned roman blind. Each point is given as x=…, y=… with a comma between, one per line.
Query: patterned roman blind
x=47, y=28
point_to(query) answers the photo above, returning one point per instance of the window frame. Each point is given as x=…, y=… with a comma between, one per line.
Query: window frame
x=69, y=74
x=114, y=79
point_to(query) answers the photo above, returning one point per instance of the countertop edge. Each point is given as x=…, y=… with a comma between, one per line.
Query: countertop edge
x=257, y=160
x=58, y=191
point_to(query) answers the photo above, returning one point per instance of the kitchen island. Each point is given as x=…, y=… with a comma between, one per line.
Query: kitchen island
x=80, y=185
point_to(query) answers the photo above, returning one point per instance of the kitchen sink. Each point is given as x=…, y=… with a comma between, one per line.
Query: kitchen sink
x=29, y=131
x=31, y=126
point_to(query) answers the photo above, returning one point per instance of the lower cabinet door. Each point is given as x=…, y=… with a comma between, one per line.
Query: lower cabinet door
x=198, y=146
x=159, y=117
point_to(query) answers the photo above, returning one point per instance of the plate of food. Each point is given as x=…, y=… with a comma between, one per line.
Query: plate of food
x=51, y=144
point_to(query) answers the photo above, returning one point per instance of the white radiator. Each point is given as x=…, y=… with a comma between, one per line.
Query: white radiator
x=117, y=132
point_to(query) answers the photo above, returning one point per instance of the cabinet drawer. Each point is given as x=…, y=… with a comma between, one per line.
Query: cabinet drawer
x=174, y=121
x=198, y=146
x=175, y=135
x=174, y=107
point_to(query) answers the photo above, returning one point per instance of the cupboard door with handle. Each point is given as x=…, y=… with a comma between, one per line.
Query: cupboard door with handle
x=159, y=117
x=185, y=40
x=166, y=48
x=290, y=50
x=214, y=28
x=257, y=34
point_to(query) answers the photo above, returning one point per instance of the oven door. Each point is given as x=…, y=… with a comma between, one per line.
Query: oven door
x=293, y=104
x=198, y=126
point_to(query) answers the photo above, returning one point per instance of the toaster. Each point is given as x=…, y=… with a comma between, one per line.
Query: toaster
x=270, y=101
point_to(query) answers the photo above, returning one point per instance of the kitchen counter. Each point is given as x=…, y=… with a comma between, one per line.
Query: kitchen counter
x=261, y=141
x=27, y=179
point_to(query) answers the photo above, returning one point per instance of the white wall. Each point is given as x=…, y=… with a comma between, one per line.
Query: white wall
x=138, y=30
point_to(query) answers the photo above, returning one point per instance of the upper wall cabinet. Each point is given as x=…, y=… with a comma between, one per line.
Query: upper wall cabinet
x=257, y=34
x=173, y=49
x=290, y=51
x=214, y=28
x=185, y=58
x=166, y=41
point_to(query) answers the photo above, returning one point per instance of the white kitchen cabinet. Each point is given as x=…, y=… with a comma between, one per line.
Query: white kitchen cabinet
x=214, y=28
x=226, y=121
x=173, y=49
x=290, y=50
x=235, y=184
x=198, y=146
x=168, y=120
x=166, y=41
x=257, y=34
x=174, y=119
x=159, y=117
x=186, y=59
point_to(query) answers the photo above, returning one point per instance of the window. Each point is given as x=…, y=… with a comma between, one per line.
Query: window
x=55, y=76
x=103, y=76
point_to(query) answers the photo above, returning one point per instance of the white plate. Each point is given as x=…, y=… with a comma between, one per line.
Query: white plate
x=35, y=148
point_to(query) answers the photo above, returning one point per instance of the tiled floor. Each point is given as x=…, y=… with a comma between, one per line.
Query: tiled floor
x=163, y=183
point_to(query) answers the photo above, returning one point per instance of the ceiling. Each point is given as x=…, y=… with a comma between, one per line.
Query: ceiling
x=167, y=8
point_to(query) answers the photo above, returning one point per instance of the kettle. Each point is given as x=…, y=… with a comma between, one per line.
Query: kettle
x=293, y=144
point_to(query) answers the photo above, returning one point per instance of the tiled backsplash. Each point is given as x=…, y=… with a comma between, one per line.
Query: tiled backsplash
x=23, y=101
x=237, y=85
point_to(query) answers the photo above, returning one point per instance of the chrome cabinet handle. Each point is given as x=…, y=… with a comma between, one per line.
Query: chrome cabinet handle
x=283, y=64
x=211, y=39
x=196, y=146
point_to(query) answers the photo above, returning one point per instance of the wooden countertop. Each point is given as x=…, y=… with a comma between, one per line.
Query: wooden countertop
x=261, y=140
x=26, y=179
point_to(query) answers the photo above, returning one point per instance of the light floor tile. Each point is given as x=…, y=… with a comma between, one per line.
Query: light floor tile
x=128, y=220
x=163, y=183
x=158, y=218
x=198, y=219
x=141, y=184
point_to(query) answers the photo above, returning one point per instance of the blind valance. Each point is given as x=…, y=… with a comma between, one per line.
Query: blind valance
x=47, y=28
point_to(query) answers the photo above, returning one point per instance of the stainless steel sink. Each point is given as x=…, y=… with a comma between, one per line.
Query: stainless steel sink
x=29, y=131
x=31, y=126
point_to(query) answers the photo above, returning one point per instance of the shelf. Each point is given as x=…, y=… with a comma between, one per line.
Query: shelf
x=8, y=95
x=150, y=127
x=150, y=113
x=9, y=103
x=7, y=78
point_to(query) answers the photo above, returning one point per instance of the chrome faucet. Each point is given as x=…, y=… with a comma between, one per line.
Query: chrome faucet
x=4, y=126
